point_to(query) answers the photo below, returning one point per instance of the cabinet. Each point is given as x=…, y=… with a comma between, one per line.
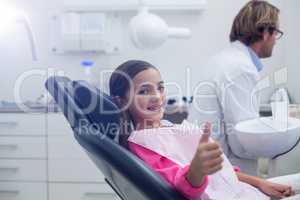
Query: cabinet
x=40, y=159
x=129, y=5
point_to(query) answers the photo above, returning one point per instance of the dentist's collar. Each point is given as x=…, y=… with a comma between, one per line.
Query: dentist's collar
x=255, y=59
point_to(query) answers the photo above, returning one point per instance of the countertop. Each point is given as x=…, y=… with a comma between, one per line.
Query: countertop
x=27, y=107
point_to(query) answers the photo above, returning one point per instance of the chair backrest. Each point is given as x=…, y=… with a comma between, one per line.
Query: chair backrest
x=126, y=174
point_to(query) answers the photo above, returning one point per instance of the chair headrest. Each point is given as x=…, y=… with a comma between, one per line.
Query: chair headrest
x=103, y=114
x=85, y=105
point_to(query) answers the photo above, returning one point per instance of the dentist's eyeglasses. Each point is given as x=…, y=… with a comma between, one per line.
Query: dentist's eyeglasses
x=279, y=33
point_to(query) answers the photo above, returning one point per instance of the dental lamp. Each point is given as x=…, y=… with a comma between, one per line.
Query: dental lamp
x=149, y=31
x=8, y=16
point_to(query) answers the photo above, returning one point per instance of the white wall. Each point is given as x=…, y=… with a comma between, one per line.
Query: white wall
x=210, y=34
x=292, y=49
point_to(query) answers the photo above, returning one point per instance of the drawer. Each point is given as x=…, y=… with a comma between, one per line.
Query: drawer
x=22, y=124
x=65, y=147
x=81, y=192
x=23, y=170
x=23, y=191
x=57, y=124
x=63, y=170
x=23, y=147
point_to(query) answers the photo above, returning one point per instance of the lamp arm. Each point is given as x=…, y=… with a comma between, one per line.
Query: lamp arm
x=30, y=35
x=179, y=33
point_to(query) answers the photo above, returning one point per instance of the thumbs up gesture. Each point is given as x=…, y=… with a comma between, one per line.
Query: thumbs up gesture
x=207, y=159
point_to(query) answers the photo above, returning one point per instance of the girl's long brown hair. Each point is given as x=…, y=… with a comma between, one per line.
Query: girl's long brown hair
x=119, y=86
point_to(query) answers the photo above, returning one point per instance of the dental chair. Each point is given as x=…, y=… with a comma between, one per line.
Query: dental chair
x=95, y=121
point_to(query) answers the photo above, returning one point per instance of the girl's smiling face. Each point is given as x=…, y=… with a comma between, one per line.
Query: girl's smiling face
x=147, y=99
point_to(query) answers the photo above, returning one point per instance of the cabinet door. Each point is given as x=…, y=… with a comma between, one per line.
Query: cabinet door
x=22, y=124
x=23, y=191
x=72, y=170
x=23, y=170
x=81, y=192
x=65, y=147
x=57, y=124
x=23, y=147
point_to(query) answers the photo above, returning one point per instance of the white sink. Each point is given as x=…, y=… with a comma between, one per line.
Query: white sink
x=266, y=138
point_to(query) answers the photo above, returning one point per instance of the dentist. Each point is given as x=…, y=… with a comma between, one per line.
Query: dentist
x=253, y=35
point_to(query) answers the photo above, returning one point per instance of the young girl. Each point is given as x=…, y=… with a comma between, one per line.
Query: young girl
x=182, y=154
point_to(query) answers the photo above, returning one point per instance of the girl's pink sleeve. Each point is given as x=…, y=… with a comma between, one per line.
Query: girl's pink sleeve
x=170, y=171
x=237, y=169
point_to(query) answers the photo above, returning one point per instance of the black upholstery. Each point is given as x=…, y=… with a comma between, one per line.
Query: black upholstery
x=85, y=107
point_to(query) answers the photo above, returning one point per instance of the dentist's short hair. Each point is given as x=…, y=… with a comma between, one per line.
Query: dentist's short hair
x=252, y=20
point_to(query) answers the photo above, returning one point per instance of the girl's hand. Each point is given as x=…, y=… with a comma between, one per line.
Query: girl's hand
x=275, y=190
x=207, y=160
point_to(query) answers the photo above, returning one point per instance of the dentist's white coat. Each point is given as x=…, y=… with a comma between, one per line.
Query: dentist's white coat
x=235, y=99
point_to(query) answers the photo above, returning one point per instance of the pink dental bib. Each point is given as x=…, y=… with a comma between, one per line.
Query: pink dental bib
x=179, y=144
